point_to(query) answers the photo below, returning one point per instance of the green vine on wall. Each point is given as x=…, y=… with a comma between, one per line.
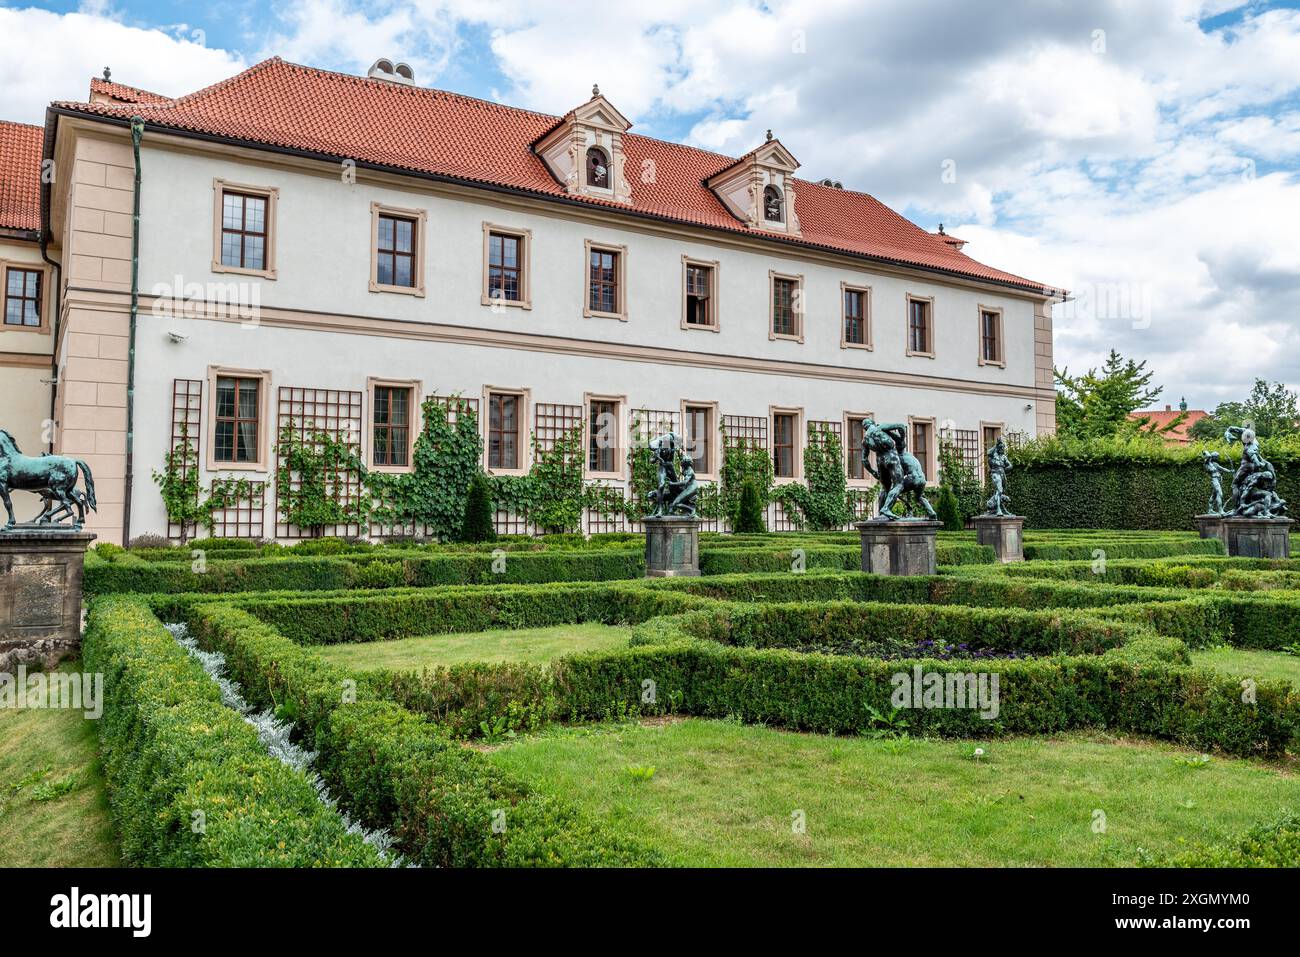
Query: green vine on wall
x=311, y=482
x=822, y=504
x=182, y=493
x=444, y=462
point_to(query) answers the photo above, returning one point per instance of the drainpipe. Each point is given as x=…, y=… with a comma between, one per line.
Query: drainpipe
x=55, y=294
x=137, y=134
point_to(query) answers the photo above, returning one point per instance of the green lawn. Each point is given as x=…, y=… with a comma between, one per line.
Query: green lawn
x=1251, y=664
x=53, y=812
x=530, y=645
x=723, y=794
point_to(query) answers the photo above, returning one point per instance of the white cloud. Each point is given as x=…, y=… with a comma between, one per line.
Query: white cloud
x=48, y=56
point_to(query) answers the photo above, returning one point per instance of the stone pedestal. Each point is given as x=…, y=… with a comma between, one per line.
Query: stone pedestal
x=40, y=594
x=1210, y=526
x=1257, y=537
x=1006, y=533
x=672, y=546
x=901, y=547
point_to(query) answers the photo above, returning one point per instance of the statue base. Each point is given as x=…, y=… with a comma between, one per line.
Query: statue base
x=1248, y=537
x=901, y=547
x=40, y=594
x=1006, y=533
x=672, y=546
x=1210, y=526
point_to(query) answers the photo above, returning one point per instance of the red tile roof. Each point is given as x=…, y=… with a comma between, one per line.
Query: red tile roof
x=20, y=175
x=123, y=93
x=285, y=105
x=1161, y=418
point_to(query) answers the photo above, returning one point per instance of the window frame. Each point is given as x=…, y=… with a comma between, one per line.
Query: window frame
x=781, y=198
x=609, y=169
x=42, y=295
x=800, y=441
x=525, y=435
x=866, y=481
x=867, y=342
x=619, y=472
x=590, y=246
x=264, y=428
x=1001, y=360
x=798, y=306
x=414, y=426
x=715, y=448
x=930, y=326
x=419, y=218
x=930, y=465
x=525, y=238
x=272, y=196
x=714, y=286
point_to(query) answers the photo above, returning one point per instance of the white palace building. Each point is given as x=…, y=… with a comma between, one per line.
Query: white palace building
x=334, y=248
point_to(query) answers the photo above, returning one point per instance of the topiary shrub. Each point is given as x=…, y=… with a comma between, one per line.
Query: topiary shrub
x=949, y=510
x=478, y=524
x=749, y=516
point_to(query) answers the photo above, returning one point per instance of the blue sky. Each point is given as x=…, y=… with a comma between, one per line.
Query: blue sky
x=1143, y=152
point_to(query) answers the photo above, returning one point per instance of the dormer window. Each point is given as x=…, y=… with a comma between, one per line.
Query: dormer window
x=773, y=205
x=597, y=168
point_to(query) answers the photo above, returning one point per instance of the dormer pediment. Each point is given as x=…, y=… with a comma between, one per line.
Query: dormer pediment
x=584, y=151
x=759, y=190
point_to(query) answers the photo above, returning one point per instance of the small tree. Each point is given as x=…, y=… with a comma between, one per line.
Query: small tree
x=958, y=477
x=749, y=516
x=478, y=525
x=949, y=511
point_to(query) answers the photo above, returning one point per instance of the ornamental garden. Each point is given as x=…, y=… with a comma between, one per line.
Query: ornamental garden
x=440, y=696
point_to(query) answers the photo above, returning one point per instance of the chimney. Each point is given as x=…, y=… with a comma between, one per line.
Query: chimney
x=385, y=69
x=1169, y=408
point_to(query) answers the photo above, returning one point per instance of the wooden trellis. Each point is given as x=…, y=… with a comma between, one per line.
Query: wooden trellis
x=245, y=518
x=187, y=421
x=334, y=412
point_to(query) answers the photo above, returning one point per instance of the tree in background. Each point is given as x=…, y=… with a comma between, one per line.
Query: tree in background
x=1271, y=409
x=478, y=525
x=1097, y=404
x=749, y=515
x=958, y=479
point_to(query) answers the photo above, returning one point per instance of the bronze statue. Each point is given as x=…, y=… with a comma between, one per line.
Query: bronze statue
x=1253, y=486
x=53, y=477
x=999, y=465
x=1210, y=462
x=896, y=469
x=674, y=495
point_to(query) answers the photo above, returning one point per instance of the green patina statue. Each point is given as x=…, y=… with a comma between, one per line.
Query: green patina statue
x=53, y=477
x=675, y=495
x=896, y=469
x=1254, y=493
x=999, y=466
x=1210, y=462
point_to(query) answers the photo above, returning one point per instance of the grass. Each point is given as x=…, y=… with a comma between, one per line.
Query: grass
x=528, y=645
x=53, y=810
x=1251, y=664
x=723, y=794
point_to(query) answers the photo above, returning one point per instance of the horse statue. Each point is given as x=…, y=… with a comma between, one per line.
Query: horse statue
x=897, y=470
x=53, y=477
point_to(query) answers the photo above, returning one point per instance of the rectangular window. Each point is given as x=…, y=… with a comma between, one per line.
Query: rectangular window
x=855, y=317
x=920, y=338
x=395, y=252
x=243, y=230
x=602, y=436
x=391, y=433
x=785, y=306
x=504, y=420
x=701, y=307
x=23, y=298
x=921, y=446
x=602, y=281
x=235, y=436
x=784, y=430
x=505, y=267
x=991, y=435
x=990, y=336
x=853, y=448
x=699, y=429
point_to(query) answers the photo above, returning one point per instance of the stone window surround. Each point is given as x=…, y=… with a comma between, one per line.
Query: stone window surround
x=800, y=441
x=272, y=196
x=799, y=306
x=907, y=326
x=46, y=273
x=620, y=279
x=414, y=426
x=931, y=463
x=1001, y=360
x=620, y=451
x=866, y=481
x=263, y=420
x=716, y=450
x=525, y=237
x=714, y=287
x=525, y=436
x=420, y=217
x=868, y=342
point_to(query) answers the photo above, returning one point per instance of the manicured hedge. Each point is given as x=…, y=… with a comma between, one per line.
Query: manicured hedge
x=1266, y=845
x=174, y=755
x=394, y=769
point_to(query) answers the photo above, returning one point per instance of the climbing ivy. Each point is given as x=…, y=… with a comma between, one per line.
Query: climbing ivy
x=444, y=462
x=311, y=480
x=822, y=504
x=552, y=495
x=740, y=461
x=182, y=493
x=957, y=475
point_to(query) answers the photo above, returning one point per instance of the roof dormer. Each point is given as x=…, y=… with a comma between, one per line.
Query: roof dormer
x=758, y=188
x=584, y=151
